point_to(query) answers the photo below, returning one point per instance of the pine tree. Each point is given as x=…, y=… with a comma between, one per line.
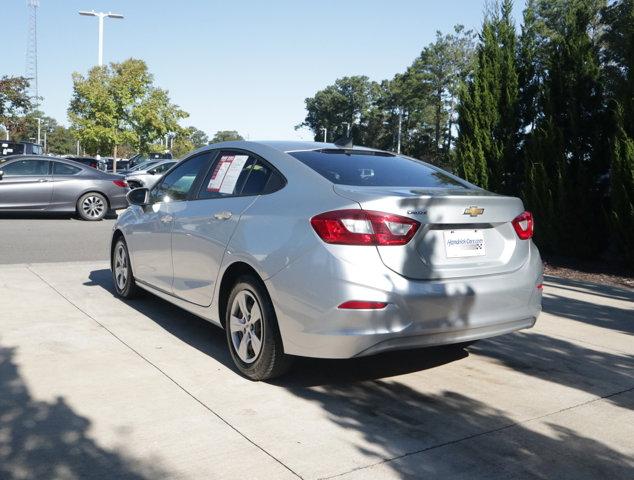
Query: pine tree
x=619, y=78
x=489, y=116
x=570, y=117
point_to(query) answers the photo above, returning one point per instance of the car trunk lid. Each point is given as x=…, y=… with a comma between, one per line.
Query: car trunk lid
x=463, y=233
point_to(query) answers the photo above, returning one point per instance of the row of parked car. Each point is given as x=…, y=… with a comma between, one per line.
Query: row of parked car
x=85, y=185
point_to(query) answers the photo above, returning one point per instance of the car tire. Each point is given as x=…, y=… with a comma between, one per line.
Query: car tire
x=122, y=275
x=92, y=206
x=253, y=335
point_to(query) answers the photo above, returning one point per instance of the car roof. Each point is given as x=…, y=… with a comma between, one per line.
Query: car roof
x=285, y=146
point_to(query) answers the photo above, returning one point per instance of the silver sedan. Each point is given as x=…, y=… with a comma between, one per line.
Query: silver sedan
x=36, y=183
x=147, y=177
x=328, y=251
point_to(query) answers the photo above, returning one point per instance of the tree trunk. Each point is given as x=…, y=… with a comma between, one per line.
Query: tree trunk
x=114, y=160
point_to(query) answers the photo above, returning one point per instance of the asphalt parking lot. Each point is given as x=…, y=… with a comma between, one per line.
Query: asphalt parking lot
x=93, y=387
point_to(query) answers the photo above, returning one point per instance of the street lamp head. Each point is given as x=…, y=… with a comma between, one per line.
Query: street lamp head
x=114, y=15
x=88, y=14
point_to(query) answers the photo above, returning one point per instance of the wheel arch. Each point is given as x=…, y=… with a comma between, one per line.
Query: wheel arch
x=116, y=235
x=232, y=273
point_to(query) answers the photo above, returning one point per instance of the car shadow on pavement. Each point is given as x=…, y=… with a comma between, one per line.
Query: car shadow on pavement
x=450, y=435
x=210, y=340
x=48, y=440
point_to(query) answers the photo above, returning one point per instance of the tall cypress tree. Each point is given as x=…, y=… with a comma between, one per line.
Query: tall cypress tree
x=570, y=117
x=488, y=124
x=619, y=77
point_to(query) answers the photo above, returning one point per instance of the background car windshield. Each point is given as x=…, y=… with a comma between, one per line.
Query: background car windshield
x=374, y=169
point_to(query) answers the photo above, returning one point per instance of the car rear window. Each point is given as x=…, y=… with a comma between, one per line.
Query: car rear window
x=374, y=169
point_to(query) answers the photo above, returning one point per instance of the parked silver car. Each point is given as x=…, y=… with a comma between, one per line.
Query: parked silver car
x=317, y=250
x=147, y=177
x=36, y=183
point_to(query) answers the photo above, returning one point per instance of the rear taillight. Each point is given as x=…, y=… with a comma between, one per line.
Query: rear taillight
x=523, y=225
x=364, y=227
x=120, y=183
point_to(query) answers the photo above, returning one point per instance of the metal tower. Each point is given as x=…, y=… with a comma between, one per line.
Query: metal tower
x=31, y=50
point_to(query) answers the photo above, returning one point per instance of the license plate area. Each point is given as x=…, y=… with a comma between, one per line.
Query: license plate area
x=463, y=243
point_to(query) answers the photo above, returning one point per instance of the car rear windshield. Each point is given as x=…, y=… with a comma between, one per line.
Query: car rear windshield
x=374, y=169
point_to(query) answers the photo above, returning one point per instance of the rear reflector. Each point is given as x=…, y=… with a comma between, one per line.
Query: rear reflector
x=362, y=305
x=364, y=227
x=524, y=225
x=540, y=286
x=120, y=183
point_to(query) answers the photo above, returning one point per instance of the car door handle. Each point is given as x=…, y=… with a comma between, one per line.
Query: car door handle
x=222, y=215
x=42, y=180
x=167, y=218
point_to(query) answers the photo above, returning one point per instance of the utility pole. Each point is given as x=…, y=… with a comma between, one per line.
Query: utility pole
x=325, y=134
x=347, y=124
x=31, y=51
x=39, y=131
x=400, y=124
x=100, y=16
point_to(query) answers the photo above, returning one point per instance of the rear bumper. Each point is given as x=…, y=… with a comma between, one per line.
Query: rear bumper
x=119, y=200
x=419, y=313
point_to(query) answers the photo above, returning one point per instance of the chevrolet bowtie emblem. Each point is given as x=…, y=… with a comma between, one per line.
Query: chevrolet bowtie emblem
x=473, y=211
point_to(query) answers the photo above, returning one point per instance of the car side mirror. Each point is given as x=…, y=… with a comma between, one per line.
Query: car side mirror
x=139, y=196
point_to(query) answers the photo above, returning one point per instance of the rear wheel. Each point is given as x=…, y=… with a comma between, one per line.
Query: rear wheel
x=124, y=284
x=252, y=332
x=92, y=206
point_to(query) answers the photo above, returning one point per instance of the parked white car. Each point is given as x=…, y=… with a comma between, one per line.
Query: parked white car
x=147, y=177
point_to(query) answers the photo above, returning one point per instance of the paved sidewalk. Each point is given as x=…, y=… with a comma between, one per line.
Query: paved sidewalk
x=93, y=387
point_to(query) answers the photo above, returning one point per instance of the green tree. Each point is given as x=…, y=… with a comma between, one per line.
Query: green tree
x=570, y=119
x=441, y=69
x=341, y=107
x=188, y=139
x=197, y=137
x=118, y=104
x=618, y=41
x=15, y=103
x=489, y=109
x=226, y=136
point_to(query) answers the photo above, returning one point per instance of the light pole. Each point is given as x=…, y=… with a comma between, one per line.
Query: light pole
x=400, y=125
x=39, y=131
x=325, y=133
x=347, y=124
x=100, y=16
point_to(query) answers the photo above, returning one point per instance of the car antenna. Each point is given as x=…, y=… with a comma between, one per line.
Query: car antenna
x=344, y=142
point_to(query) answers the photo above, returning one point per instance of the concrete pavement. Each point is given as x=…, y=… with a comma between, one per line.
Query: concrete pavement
x=52, y=238
x=93, y=387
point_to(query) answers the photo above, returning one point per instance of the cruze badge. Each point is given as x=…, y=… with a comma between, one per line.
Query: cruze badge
x=473, y=211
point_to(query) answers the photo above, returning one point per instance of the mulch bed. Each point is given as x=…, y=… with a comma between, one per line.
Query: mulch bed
x=601, y=272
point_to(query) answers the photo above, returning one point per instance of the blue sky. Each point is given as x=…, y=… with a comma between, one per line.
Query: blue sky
x=233, y=65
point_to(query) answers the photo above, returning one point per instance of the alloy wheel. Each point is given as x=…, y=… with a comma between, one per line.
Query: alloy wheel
x=121, y=266
x=93, y=206
x=246, y=326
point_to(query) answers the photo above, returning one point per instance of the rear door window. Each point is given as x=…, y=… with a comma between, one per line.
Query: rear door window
x=374, y=169
x=238, y=173
x=60, y=168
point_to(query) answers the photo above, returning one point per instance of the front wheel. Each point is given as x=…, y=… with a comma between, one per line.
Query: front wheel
x=92, y=206
x=124, y=284
x=252, y=332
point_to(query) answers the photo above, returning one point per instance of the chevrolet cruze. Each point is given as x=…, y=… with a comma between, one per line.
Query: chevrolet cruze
x=330, y=251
